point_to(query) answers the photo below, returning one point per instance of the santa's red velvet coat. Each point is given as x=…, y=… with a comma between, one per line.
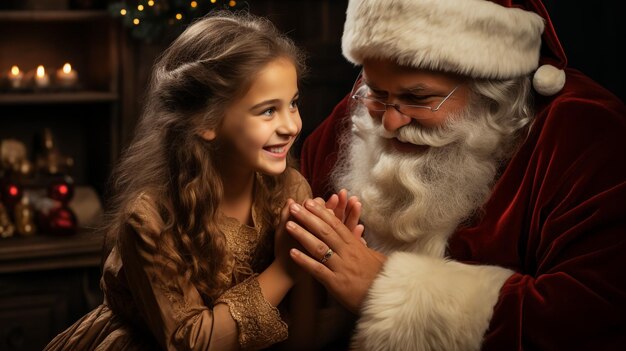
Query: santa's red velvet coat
x=556, y=219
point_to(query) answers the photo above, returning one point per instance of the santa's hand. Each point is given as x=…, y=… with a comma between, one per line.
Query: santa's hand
x=341, y=262
x=348, y=210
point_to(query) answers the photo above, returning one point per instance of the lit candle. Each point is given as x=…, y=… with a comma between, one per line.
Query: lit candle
x=16, y=77
x=41, y=77
x=66, y=76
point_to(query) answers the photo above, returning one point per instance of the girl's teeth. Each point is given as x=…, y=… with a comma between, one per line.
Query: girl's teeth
x=277, y=150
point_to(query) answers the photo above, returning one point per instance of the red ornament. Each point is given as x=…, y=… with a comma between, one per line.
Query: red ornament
x=13, y=190
x=59, y=220
x=61, y=189
x=11, y=194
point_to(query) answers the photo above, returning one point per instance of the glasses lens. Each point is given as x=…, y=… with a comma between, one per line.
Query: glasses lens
x=373, y=105
x=412, y=110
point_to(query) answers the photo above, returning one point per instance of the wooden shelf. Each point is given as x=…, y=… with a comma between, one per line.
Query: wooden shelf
x=52, y=16
x=41, y=252
x=57, y=98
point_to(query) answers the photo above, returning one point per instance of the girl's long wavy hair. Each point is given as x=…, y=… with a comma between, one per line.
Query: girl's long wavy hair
x=208, y=67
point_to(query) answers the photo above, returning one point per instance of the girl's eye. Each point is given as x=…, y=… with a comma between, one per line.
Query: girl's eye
x=293, y=105
x=269, y=112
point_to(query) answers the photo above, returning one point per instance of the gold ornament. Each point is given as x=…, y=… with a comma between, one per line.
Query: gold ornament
x=25, y=217
x=6, y=227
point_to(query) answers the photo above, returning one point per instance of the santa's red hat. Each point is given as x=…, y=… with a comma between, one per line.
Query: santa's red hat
x=497, y=39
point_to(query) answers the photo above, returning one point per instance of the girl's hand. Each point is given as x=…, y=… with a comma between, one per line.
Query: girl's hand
x=283, y=243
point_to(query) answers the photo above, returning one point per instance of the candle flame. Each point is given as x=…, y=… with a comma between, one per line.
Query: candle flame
x=67, y=68
x=15, y=70
x=41, y=71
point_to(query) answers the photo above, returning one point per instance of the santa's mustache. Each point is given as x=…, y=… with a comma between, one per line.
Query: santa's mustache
x=414, y=133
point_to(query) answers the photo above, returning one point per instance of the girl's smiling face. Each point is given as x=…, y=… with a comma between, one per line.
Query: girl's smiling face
x=259, y=129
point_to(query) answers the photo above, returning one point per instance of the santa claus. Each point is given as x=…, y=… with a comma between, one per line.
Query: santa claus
x=492, y=180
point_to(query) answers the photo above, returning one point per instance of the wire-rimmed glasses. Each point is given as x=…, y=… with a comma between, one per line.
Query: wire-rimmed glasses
x=375, y=105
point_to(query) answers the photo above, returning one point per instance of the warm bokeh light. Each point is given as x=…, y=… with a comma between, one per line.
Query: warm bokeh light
x=213, y=1
x=41, y=71
x=150, y=3
x=232, y=3
x=179, y=16
x=13, y=190
x=123, y=12
x=136, y=21
x=15, y=70
x=194, y=4
x=140, y=7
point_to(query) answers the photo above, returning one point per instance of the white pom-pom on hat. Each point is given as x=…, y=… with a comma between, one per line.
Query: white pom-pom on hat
x=548, y=80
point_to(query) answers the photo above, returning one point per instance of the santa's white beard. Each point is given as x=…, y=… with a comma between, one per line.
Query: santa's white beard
x=416, y=201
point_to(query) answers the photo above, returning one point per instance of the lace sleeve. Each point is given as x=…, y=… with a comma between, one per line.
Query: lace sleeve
x=299, y=188
x=258, y=321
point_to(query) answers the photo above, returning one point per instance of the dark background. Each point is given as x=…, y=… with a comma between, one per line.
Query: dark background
x=593, y=35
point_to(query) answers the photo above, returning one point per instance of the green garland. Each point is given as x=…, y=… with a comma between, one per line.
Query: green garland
x=151, y=20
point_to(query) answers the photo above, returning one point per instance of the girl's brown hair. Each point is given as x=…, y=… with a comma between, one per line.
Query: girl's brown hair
x=208, y=67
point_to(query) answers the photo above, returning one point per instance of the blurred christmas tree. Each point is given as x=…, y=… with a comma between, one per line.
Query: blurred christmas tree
x=151, y=20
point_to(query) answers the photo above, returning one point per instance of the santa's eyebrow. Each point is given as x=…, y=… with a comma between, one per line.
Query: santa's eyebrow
x=413, y=89
x=418, y=88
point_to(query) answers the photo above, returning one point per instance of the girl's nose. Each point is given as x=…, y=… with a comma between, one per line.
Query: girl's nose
x=290, y=123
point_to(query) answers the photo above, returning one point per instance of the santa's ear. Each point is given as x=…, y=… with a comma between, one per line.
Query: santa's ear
x=208, y=134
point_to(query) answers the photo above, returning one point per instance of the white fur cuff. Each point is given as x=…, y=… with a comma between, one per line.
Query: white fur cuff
x=426, y=303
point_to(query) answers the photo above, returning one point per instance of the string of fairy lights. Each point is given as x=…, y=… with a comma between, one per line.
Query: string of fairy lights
x=150, y=20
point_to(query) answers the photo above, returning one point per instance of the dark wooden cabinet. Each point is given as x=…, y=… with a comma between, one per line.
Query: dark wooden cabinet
x=46, y=284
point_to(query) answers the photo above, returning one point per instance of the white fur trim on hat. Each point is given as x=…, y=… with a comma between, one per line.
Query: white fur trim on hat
x=548, y=80
x=425, y=303
x=477, y=38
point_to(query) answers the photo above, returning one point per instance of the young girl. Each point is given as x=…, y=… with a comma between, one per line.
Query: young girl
x=200, y=260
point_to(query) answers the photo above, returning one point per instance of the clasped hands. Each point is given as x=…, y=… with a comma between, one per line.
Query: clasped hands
x=329, y=231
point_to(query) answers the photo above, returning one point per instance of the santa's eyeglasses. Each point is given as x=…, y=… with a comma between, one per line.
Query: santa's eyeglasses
x=361, y=92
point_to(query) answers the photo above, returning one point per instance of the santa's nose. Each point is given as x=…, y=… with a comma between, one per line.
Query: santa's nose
x=393, y=119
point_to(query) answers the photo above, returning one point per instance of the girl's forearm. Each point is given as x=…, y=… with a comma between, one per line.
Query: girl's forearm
x=224, y=335
x=275, y=282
